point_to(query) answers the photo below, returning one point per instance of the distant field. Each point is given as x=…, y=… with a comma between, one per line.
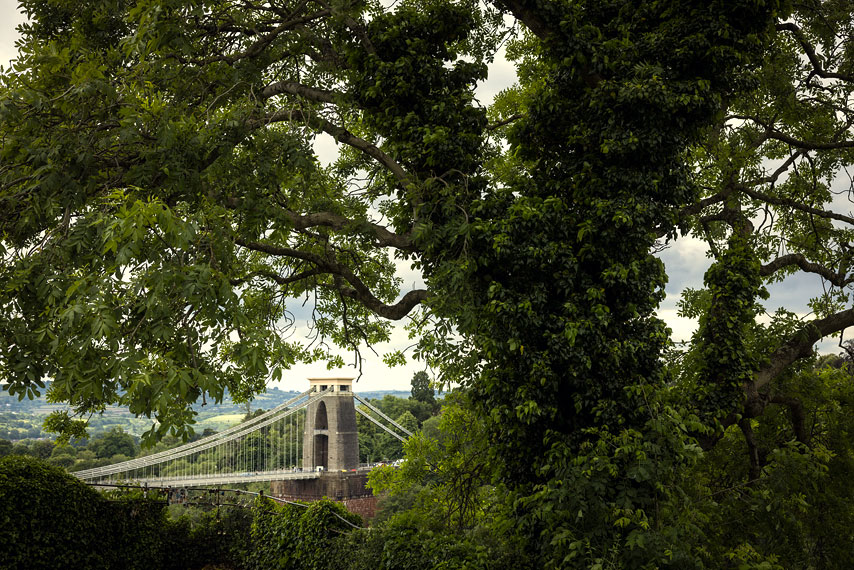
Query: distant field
x=220, y=419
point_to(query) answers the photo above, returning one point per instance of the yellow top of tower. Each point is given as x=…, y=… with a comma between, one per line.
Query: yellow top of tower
x=337, y=384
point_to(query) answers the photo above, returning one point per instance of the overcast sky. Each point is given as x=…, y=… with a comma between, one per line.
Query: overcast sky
x=685, y=261
x=9, y=19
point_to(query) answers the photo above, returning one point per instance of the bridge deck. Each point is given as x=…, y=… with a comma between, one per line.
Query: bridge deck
x=248, y=477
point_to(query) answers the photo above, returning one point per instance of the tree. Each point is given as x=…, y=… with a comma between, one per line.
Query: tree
x=63, y=456
x=113, y=442
x=793, y=504
x=375, y=444
x=422, y=389
x=41, y=448
x=769, y=171
x=163, y=207
x=447, y=472
x=408, y=421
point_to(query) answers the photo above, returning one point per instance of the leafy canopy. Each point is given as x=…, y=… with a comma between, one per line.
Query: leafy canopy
x=164, y=216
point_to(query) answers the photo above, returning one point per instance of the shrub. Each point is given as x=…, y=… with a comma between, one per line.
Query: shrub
x=48, y=519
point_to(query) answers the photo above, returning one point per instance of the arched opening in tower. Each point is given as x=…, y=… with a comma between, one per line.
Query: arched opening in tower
x=321, y=441
x=321, y=451
x=320, y=421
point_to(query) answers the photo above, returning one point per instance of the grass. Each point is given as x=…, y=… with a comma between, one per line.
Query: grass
x=221, y=419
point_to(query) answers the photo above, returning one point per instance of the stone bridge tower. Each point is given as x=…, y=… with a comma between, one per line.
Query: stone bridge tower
x=330, y=439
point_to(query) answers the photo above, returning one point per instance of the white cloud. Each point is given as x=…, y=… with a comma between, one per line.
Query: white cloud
x=686, y=262
x=326, y=148
x=10, y=18
x=376, y=375
x=682, y=327
x=502, y=74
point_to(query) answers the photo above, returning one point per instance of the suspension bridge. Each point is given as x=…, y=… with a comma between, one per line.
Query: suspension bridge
x=312, y=436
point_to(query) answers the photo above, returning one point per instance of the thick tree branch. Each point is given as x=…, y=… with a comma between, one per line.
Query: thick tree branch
x=798, y=417
x=809, y=50
x=383, y=237
x=356, y=290
x=528, y=15
x=777, y=173
x=810, y=145
x=273, y=276
x=752, y=449
x=800, y=344
x=696, y=208
x=507, y=121
x=306, y=117
x=774, y=134
x=798, y=259
x=392, y=312
x=795, y=205
x=294, y=88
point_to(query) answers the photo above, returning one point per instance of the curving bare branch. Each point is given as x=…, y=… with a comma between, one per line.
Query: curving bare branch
x=294, y=88
x=836, y=278
x=771, y=133
x=774, y=176
x=382, y=236
x=800, y=345
x=809, y=50
x=307, y=117
x=795, y=205
x=355, y=288
x=392, y=312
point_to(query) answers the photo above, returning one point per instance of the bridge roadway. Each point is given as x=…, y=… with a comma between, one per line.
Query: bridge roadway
x=219, y=479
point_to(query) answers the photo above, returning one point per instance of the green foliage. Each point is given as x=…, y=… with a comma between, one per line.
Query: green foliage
x=439, y=508
x=558, y=292
x=407, y=543
x=56, y=521
x=296, y=537
x=422, y=388
x=114, y=442
x=202, y=538
x=162, y=208
x=444, y=478
x=797, y=511
x=67, y=428
x=724, y=343
x=51, y=519
x=375, y=444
